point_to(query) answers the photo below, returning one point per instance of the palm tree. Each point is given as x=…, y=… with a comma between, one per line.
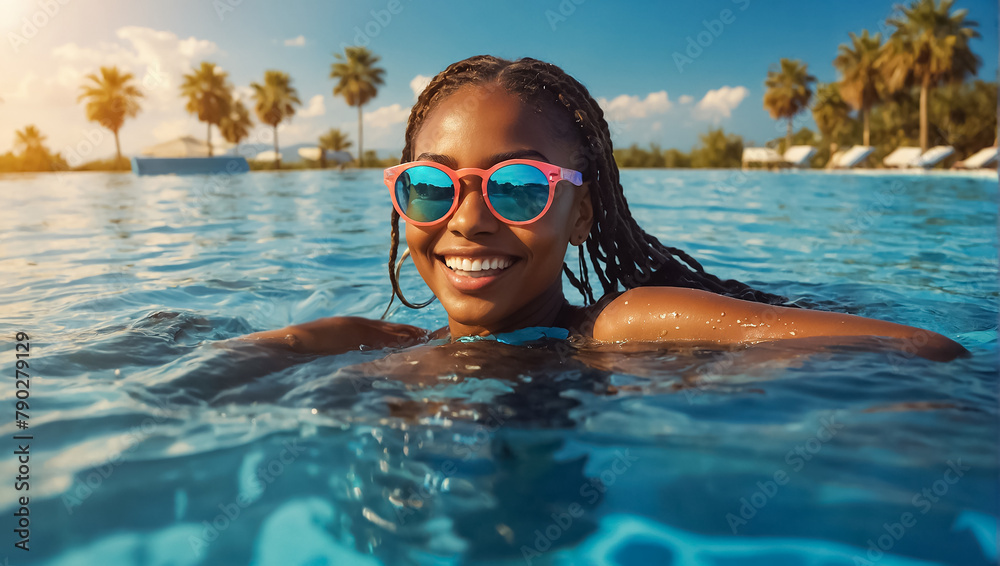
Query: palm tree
x=235, y=126
x=275, y=100
x=333, y=140
x=358, y=80
x=788, y=92
x=209, y=96
x=965, y=115
x=34, y=155
x=929, y=46
x=860, y=80
x=832, y=115
x=111, y=98
x=29, y=139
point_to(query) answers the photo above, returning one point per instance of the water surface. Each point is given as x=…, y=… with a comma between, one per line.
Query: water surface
x=153, y=446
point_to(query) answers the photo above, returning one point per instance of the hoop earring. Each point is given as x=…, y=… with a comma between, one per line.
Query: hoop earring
x=402, y=299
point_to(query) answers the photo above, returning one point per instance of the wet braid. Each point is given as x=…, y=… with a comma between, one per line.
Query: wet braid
x=620, y=251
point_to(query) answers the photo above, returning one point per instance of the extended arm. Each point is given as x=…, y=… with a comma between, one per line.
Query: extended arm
x=670, y=313
x=339, y=334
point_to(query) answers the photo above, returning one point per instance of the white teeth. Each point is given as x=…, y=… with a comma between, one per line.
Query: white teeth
x=478, y=264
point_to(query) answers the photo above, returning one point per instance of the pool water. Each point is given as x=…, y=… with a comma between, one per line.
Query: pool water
x=153, y=445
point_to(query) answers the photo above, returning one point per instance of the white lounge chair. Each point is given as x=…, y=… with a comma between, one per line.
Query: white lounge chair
x=986, y=157
x=799, y=155
x=902, y=157
x=854, y=156
x=763, y=155
x=933, y=156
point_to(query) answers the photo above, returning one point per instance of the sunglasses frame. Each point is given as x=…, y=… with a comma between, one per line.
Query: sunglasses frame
x=553, y=173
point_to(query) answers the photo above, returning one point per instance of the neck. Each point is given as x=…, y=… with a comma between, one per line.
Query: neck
x=544, y=310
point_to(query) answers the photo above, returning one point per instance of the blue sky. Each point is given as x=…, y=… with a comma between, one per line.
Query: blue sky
x=623, y=52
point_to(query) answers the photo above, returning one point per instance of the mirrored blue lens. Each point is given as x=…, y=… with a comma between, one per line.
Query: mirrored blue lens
x=424, y=193
x=518, y=192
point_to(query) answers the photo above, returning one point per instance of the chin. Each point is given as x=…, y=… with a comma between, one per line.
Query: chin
x=473, y=312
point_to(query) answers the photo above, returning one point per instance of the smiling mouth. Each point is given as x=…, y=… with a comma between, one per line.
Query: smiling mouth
x=478, y=267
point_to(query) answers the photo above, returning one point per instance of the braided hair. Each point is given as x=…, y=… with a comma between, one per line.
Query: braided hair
x=620, y=251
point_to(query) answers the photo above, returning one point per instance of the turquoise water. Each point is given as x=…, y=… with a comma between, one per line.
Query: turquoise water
x=152, y=446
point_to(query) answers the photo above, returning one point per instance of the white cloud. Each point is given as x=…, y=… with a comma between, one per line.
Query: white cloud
x=686, y=99
x=625, y=106
x=24, y=89
x=387, y=116
x=418, y=84
x=720, y=103
x=296, y=41
x=157, y=58
x=243, y=92
x=314, y=108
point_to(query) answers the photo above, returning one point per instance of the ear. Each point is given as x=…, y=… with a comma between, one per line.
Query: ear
x=583, y=215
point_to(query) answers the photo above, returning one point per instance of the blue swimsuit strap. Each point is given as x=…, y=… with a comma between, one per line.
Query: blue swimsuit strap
x=521, y=335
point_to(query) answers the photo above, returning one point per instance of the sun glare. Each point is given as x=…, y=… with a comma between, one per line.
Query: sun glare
x=11, y=14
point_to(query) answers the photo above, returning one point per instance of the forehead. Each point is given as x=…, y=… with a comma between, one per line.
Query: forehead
x=476, y=121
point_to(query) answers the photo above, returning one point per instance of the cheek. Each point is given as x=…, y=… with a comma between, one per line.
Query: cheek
x=555, y=227
x=546, y=240
x=419, y=242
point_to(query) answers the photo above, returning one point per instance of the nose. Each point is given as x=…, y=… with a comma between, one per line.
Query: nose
x=472, y=216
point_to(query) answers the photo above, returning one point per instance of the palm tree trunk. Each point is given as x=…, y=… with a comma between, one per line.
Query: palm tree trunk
x=209, y=139
x=118, y=150
x=788, y=134
x=361, y=151
x=866, y=112
x=925, y=86
x=277, y=156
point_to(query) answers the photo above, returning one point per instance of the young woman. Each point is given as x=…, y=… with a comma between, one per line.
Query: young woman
x=506, y=164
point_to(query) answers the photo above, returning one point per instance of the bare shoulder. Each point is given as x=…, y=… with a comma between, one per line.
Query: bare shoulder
x=650, y=313
x=678, y=314
x=338, y=334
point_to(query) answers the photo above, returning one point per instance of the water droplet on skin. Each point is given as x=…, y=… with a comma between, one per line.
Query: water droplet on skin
x=723, y=314
x=662, y=315
x=626, y=302
x=737, y=321
x=792, y=333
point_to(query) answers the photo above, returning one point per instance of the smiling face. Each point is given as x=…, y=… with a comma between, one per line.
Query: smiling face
x=477, y=127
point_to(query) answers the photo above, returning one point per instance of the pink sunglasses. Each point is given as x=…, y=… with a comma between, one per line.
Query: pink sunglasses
x=517, y=191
